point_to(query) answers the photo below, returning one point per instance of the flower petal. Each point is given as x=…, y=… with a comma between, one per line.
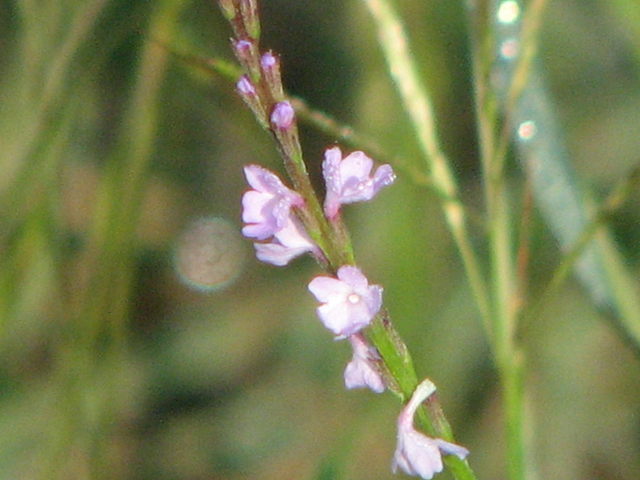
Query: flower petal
x=287, y=244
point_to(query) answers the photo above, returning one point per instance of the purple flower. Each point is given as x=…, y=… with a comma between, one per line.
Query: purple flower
x=349, y=179
x=349, y=303
x=287, y=243
x=360, y=371
x=416, y=453
x=267, y=208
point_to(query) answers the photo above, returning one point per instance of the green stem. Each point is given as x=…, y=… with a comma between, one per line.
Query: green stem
x=417, y=103
x=509, y=359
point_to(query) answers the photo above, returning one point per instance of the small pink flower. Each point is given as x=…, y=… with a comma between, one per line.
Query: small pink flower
x=416, y=453
x=349, y=179
x=360, y=371
x=349, y=303
x=266, y=209
x=287, y=243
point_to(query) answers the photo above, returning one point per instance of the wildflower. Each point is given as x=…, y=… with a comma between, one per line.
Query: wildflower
x=287, y=243
x=360, y=371
x=349, y=179
x=267, y=208
x=349, y=303
x=416, y=453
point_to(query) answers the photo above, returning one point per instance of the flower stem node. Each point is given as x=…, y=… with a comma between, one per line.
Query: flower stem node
x=349, y=179
x=416, y=453
x=349, y=303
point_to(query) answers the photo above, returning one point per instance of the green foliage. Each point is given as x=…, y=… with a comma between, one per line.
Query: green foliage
x=116, y=135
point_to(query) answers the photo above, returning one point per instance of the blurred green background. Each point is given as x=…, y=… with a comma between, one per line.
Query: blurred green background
x=112, y=146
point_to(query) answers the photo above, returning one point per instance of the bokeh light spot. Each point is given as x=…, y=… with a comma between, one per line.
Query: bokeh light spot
x=509, y=49
x=527, y=130
x=209, y=254
x=508, y=12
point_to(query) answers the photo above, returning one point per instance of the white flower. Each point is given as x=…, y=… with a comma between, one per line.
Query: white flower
x=416, y=453
x=349, y=303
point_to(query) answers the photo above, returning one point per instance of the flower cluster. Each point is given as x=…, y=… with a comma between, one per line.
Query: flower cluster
x=348, y=302
x=284, y=223
x=267, y=208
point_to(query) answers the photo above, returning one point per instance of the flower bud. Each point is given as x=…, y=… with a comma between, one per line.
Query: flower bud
x=270, y=65
x=249, y=94
x=249, y=57
x=283, y=116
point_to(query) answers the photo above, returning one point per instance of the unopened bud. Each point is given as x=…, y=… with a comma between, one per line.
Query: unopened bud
x=270, y=65
x=245, y=87
x=248, y=55
x=283, y=115
x=249, y=94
